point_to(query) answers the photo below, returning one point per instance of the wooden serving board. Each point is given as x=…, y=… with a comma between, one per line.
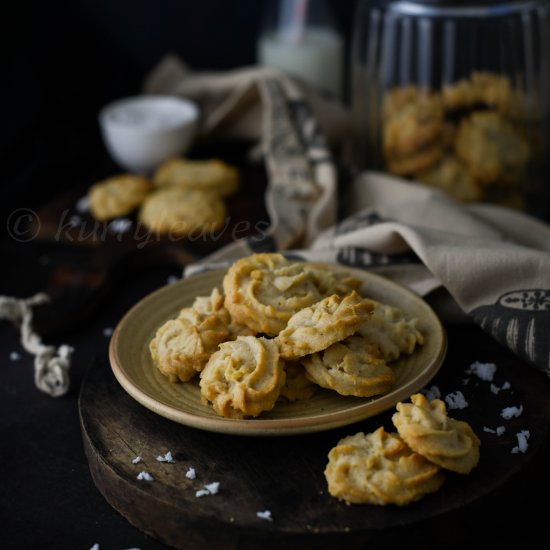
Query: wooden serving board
x=285, y=474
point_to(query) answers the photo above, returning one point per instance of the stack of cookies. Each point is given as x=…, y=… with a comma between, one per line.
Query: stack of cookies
x=464, y=139
x=397, y=468
x=279, y=331
x=183, y=197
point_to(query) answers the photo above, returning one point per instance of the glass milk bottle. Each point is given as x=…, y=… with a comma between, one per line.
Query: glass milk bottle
x=300, y=38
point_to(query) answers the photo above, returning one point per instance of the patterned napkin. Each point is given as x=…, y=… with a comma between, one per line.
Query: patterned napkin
x=479, y=262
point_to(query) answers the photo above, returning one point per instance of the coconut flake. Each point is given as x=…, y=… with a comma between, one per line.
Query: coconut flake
x=120, y=225
x=511, y=412
x=191, y=473
x=456, y=400
x=266, y=514
x=213, y=487
x=500, y=430
x=522, y=438
x=14, y=356
x=83, y=204
x=202, y=493
x=432, y=393
x=172, y=279
x=166, y=458
x=136, y=460
x=485, y=371
x=107, y=332
x=145, y=476
x=95, y=547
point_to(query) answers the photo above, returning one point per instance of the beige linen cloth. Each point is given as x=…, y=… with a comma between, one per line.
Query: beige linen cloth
x=480, y=262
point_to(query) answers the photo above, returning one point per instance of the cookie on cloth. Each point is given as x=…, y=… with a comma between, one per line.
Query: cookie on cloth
x=204, y=175
x=263, y=291
x=391, y=331
x=379, y=468
x=317, y=327
x=182, y=212
x=117, y=196
x=297, y=386
x=350, y=367
x=243, y=378
x=426, y=428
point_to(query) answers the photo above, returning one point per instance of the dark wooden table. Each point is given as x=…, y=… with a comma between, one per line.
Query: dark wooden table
x=48, y=498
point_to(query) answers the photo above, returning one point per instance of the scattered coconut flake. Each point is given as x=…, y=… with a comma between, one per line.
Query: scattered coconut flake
x=172, y=279
x=75, y=220
x=266, y=514
x=511, y=412
x=135, y=548
x=107, y=332
x=191, y=473
x=95, y=547
x=202, y=493
x=14, y=356
x=489, y=430
x=522, y=437
x=166, y=458
x=213, y=487
x=432, y=393
x=120, y=225
x=145, y=476
x=495, y=389
x=83, y=204
x=136, y=460
x=500, y=430
x=456, y=400
x=485, y=371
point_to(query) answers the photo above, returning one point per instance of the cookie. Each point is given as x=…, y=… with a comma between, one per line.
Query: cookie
x=181, y=212
x=263, y=291
x=412, y=126
x=379, y=468
x=489, y=146
x=181, y=347
x=426, y=428
x=407, y=165
x=350, y=367
x=297, y=385
x=315, y=328
x=243, y=378
x=452, y=176
x=388, y=328
x=330, y=282
x=204, y=175
x=117, y=196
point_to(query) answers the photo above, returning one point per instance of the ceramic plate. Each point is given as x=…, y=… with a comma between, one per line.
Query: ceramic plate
x=134, y=369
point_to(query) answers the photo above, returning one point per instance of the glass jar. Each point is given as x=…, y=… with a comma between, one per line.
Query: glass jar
x=456, y=95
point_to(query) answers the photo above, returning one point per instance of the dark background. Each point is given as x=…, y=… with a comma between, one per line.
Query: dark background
x=63, y=60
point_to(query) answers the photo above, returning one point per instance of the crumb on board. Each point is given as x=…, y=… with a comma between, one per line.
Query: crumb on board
x=266, y=515
x=522, y=445
x=484, y=371
x=208, y=489
x=499, y=430
x=145, y=476
x=191, y=473
x=202, y=493
x=511, y=412
x=136, y=460
x=456, y=400
x=166, y=458
x=495, y=389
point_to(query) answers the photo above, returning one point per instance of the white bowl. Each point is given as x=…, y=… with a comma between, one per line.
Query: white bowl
x=141, y=132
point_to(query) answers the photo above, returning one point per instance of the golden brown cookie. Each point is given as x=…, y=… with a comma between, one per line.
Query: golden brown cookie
x=426, y=428
x=405, y=165
x=117, y=196
x=181, y=347
x=182, y=212
x=489, y=146
x=388, y=327
x=350, y=367
x=330, y=281
x=413, y=125
x=379, y=468
x=204, y=175
x=315, y=328
x=297, y=386
x=243, y=378
x=451, y=176
x=263, y=291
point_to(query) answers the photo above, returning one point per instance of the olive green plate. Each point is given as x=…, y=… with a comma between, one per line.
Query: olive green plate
x=134, y=369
